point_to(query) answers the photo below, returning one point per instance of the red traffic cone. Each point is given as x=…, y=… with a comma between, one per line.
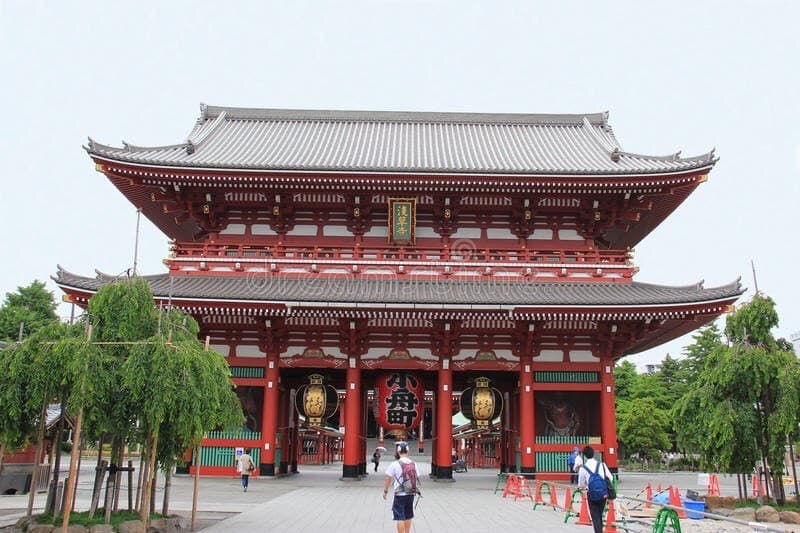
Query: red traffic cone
x=649, y=497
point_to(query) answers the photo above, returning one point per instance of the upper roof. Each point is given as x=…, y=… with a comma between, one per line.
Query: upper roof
x=401, y=142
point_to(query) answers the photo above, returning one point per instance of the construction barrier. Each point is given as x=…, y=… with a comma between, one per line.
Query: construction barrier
x=667, y=518
x=502, y=479
x=569, y=504
x=540, y=486
x=518, y=487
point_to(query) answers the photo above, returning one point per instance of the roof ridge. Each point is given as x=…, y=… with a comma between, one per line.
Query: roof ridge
x=243, y=113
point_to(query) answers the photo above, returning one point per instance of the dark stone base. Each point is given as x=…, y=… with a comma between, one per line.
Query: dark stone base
x=444, y=473
x=350, y=473
x=267, y=469
x=528, y=471
x=283, y=468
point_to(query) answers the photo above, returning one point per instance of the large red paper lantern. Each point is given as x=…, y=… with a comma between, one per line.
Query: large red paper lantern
x=399, y=399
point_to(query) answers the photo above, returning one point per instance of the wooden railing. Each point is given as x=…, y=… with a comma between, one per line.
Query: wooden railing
x=244, y=252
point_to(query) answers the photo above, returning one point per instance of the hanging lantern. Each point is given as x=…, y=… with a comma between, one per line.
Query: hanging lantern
x=481, y=404
x=399, y=398
x=316, y=400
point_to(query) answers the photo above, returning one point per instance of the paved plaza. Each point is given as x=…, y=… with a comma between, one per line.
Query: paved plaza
x=318, y=500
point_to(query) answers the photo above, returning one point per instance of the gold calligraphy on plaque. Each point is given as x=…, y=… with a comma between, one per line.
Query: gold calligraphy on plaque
x=402, y=220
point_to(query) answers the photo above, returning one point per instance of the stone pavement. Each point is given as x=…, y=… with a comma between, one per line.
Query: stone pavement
x=317, y=500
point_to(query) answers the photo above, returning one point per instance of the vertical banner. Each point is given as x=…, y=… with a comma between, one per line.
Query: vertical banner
x=399, y=401
x=402, y=221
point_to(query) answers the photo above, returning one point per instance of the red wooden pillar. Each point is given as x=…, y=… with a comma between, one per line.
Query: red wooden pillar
x=352, y=422
x=527, y=432
x=444, y=424
x=421, y=440
x=283, y=431
x=506, y=436
x=295, y=434
x=608, y=422
x=269, y=417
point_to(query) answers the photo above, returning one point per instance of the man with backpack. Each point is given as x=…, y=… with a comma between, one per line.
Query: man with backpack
x=403, y=476
x=592, y=478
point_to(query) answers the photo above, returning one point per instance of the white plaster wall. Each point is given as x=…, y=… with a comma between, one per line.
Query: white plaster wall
x=303, y=230
x=249, y=350
x=335, y=231
x=569, y=235
x=262, y=229
x=549, y=356
x=582, y=356
x=233, y=229
x=223, y=349
x=500, y=233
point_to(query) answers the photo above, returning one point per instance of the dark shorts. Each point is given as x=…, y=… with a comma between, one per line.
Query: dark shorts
x=403, y=507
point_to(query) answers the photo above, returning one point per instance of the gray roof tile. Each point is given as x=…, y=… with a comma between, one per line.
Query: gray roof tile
x=402, y=142
x=366, y=291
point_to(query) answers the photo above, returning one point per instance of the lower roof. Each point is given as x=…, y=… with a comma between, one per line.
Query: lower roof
x=360, y=291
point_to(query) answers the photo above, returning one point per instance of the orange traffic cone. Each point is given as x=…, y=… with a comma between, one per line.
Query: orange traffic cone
x=713, y=485
x=756, y=486
x=675, y=501
x=568, y=501
x=649, y=497
x=611, y=518
x=554, y=496
x=583, y=517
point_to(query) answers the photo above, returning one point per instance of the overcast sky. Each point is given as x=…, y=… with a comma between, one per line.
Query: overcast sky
x=686, y=76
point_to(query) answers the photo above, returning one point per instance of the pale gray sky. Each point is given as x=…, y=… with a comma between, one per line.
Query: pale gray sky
x=677, y=76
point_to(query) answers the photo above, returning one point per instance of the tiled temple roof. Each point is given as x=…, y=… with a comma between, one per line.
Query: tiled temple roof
x=401, y=142
x=266, y=289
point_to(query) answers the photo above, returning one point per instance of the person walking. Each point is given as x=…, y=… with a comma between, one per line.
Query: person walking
x=376, y=458
x=402, y=475
x=597, y=499
x=246, y=467
x=571, y=462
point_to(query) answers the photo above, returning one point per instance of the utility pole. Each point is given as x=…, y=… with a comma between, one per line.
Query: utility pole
x=136, y=241
x=755, y=279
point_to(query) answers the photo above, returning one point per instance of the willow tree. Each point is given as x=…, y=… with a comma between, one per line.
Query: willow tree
x=744, y=401
x=180, y=387
x=16, y=425
x=39, y=371
x=122, y=314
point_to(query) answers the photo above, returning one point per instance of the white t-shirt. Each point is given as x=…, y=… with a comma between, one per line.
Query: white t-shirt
x=395, y=471
x=591, y=464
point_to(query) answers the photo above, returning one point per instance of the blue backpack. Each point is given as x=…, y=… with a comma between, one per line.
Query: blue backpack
x=597, y=488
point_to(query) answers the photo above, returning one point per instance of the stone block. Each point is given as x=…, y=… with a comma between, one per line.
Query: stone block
x=768, y=514
x=748, y=514
x=789, y=517
x=131, y=526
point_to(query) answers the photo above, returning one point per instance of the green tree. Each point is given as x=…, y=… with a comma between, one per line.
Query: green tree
x=32, y=306
x=745, y=400
x=644, y=428
x=179, y=387
x=706, y=340
x=624, y=378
